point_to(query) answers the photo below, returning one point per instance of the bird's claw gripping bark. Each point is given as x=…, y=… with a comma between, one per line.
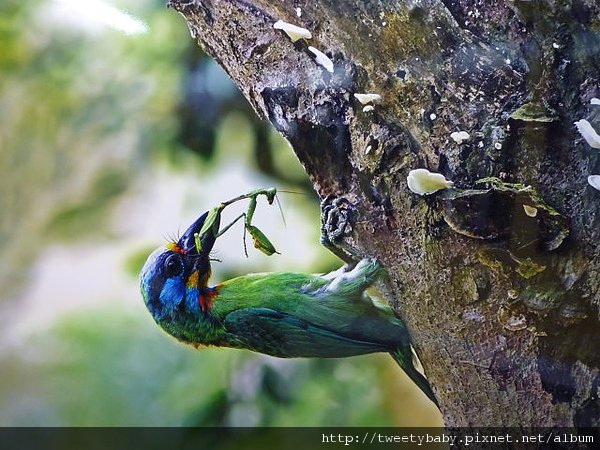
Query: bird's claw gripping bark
x=337, y=213
x=335, y=218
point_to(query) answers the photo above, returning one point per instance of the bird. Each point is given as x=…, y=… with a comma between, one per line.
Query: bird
x=282, y=314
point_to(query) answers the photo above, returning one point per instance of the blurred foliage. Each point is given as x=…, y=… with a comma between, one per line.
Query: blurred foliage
x=94, y=124
x=89, y=215
x=208, y=97
x=72, y=106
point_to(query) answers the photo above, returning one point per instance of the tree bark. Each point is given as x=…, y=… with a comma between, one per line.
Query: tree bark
x=502, y=307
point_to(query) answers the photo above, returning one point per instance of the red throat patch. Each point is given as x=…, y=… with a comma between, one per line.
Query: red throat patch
x=207, y=298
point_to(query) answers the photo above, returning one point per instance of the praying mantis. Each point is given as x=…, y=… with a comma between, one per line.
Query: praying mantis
x=261, y=242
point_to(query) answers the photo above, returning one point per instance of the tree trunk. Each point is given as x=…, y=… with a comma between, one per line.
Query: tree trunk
x=502, y=306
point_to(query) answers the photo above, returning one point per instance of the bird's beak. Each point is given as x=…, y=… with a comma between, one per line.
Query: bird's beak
x=188, y=242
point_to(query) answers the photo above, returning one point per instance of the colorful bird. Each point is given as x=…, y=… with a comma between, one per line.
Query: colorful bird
x=284, y=314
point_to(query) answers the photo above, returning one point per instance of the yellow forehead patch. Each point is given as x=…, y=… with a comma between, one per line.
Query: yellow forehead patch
x=175, y=248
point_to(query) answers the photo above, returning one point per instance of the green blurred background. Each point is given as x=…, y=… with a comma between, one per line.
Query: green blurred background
x=115, y=133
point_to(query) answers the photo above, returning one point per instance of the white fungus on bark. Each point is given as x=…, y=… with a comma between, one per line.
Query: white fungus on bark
x=594, y=181
x=293, y=31
x=595, y=101
x=424, y=182
x=365, y=99
x=322, y=59
x=589, y=134
x=460, y=136
x=368, y=108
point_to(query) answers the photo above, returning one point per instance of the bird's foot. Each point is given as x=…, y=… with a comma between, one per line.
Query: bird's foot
x=337, y=213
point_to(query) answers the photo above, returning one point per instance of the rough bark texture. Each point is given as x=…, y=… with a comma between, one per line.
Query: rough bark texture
x=502, y=307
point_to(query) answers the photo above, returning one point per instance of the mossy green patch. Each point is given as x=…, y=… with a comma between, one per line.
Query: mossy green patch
x=528, y=269
x=534, y=112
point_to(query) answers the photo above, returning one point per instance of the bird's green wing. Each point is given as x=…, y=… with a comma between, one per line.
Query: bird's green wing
x=279, y=334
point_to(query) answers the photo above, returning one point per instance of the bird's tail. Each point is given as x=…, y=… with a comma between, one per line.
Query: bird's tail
x=403, y=356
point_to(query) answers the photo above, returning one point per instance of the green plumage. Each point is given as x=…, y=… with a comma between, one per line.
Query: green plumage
x=272, y=313
x=281, y=314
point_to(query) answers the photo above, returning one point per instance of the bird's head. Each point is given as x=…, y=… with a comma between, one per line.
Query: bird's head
x=174, y=278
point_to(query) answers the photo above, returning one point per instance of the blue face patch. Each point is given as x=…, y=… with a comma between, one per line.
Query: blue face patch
x=162, y=294
x=171, y=296
x=193, y=300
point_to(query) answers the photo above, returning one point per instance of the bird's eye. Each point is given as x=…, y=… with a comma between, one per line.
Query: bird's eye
x=173, y=266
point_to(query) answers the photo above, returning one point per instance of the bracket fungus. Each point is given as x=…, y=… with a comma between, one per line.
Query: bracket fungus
x=322, y=59
x=424, y=182
x=294, y=32
x=365, y=99
x=588, y=133
x=460, y=136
